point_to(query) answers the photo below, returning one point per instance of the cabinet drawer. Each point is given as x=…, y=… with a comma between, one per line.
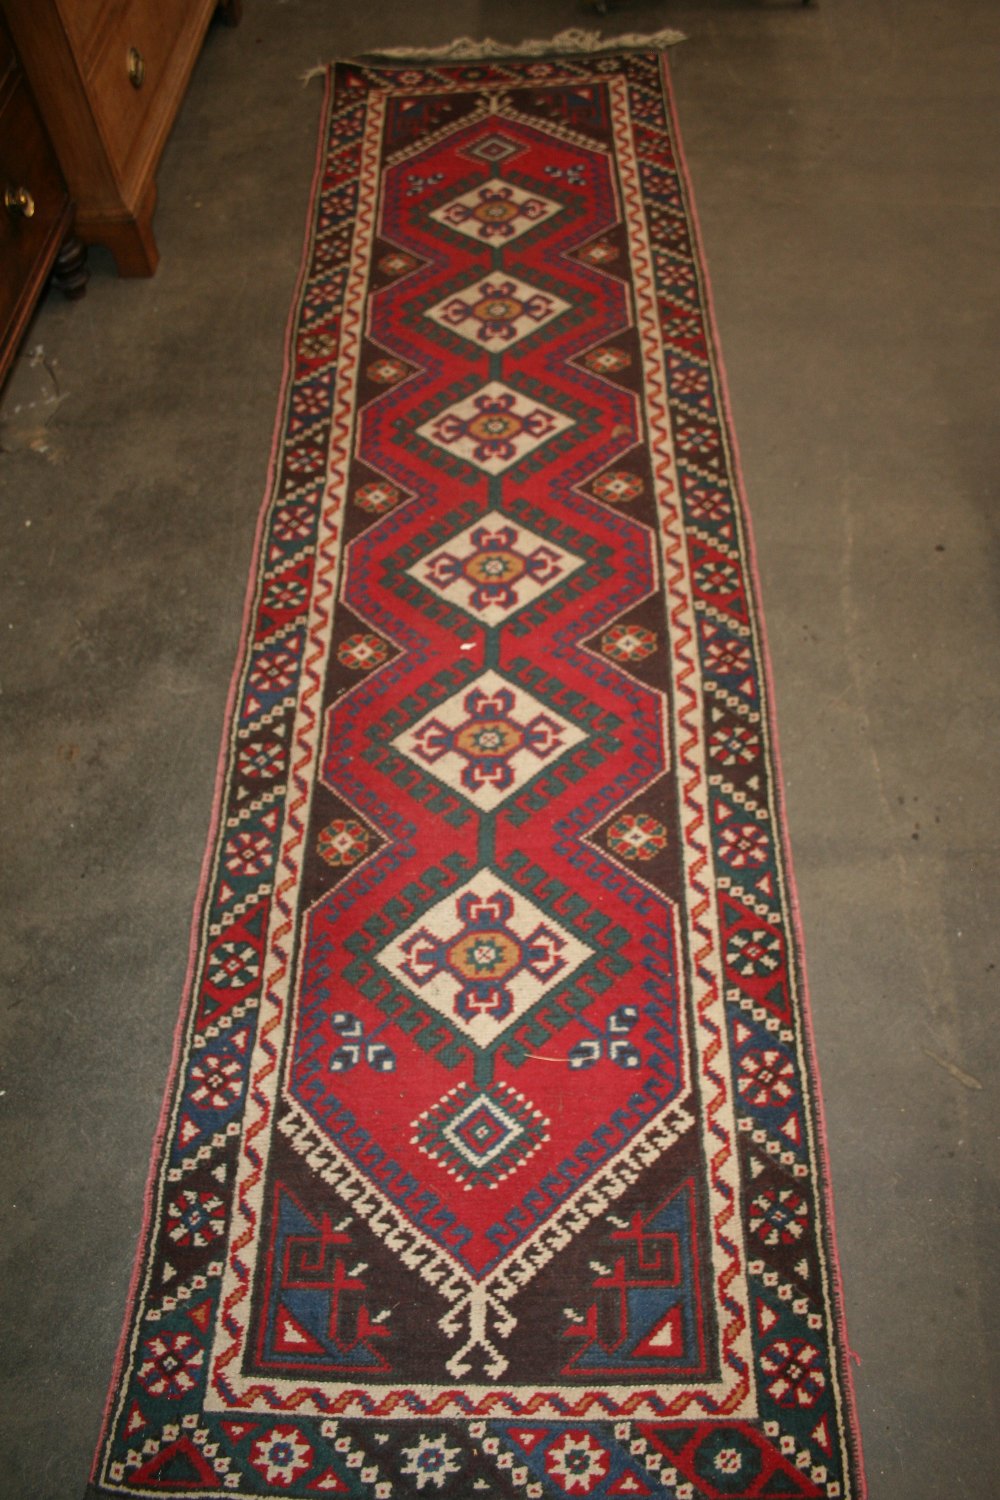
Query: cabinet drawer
x=127, y=84
x=108, y=130
x=28, y=164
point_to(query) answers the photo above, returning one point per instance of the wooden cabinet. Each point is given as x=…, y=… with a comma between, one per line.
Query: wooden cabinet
x=35, y=209
x=109, y=77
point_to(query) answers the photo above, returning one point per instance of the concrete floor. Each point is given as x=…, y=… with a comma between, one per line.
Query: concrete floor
x=844, y=161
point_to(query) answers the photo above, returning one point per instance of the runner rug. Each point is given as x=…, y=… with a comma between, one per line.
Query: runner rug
x=492, y=1166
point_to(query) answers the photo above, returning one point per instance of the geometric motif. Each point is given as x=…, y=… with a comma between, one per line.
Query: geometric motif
x=494, y=568
x=496, y=212
x=430, y=1461
x=637, y=836
x=281, y=1456
x=645, y=1314
x=495, y=427
x=170, y=1365
x=607, y=361
x=342, y=842
x=617, y=487
x=387, y=371
x=195, y=1218
x=319, y=1309
x=497, y=311
x=577, y=1462
x=483, y=957
x=481, y=1136
x=600, y=253
x=362, y=652
x=493, y=148
x=628, y=643
x=796, y=1375
x=779, y=1216
x=377, y=497
x=490, y=739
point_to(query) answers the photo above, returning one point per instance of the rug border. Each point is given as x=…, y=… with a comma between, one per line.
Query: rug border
x=844, y=1351
x=221, y=768
x=630, y=42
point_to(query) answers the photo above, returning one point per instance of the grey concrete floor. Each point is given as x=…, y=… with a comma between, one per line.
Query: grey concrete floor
x=844, y=162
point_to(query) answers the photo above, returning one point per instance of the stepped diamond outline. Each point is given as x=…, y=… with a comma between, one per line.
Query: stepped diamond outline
x=488, y=740
x=495, y=427
x=494, y=148
x=494, y=568
x=495, y=212
x=497, y=311
x=483, y=957
x=481, y=1136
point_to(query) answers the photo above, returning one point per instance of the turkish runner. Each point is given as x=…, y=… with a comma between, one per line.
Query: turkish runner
x=491, y=1164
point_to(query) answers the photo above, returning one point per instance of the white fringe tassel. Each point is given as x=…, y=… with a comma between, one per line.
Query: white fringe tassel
x=465, y=49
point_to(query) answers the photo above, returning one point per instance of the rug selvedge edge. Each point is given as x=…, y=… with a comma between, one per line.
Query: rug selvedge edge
x=810, y=1065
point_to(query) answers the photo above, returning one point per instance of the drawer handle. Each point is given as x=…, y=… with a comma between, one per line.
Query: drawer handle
x=17, y=200
x=136, y=68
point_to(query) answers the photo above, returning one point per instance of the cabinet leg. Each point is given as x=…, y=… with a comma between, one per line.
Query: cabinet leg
x=71, y=272
x=230, y=12
x=130, y=240
x=133, y=247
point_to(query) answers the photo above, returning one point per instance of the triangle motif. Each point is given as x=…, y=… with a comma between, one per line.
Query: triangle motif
x=766, y=1317
x=201, y=1314
x=180, y=1465
x=329, y=1483
x=821, y=1435
x=527, y=1437
x=665, y=1339
x=628, y=1484
x=291, y=1338
x=136, y=1419
x=237, y=1431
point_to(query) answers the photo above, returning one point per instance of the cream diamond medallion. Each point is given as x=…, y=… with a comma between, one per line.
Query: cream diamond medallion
x=494, y=568
x=488, y=740
x=483, y=956
x=495, y=427
x=496, y=212
x=497, y=311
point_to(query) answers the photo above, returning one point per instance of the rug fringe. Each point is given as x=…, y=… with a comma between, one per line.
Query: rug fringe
x=573, y=40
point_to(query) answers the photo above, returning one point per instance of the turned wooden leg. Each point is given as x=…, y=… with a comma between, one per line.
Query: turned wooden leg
x=71, y=272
